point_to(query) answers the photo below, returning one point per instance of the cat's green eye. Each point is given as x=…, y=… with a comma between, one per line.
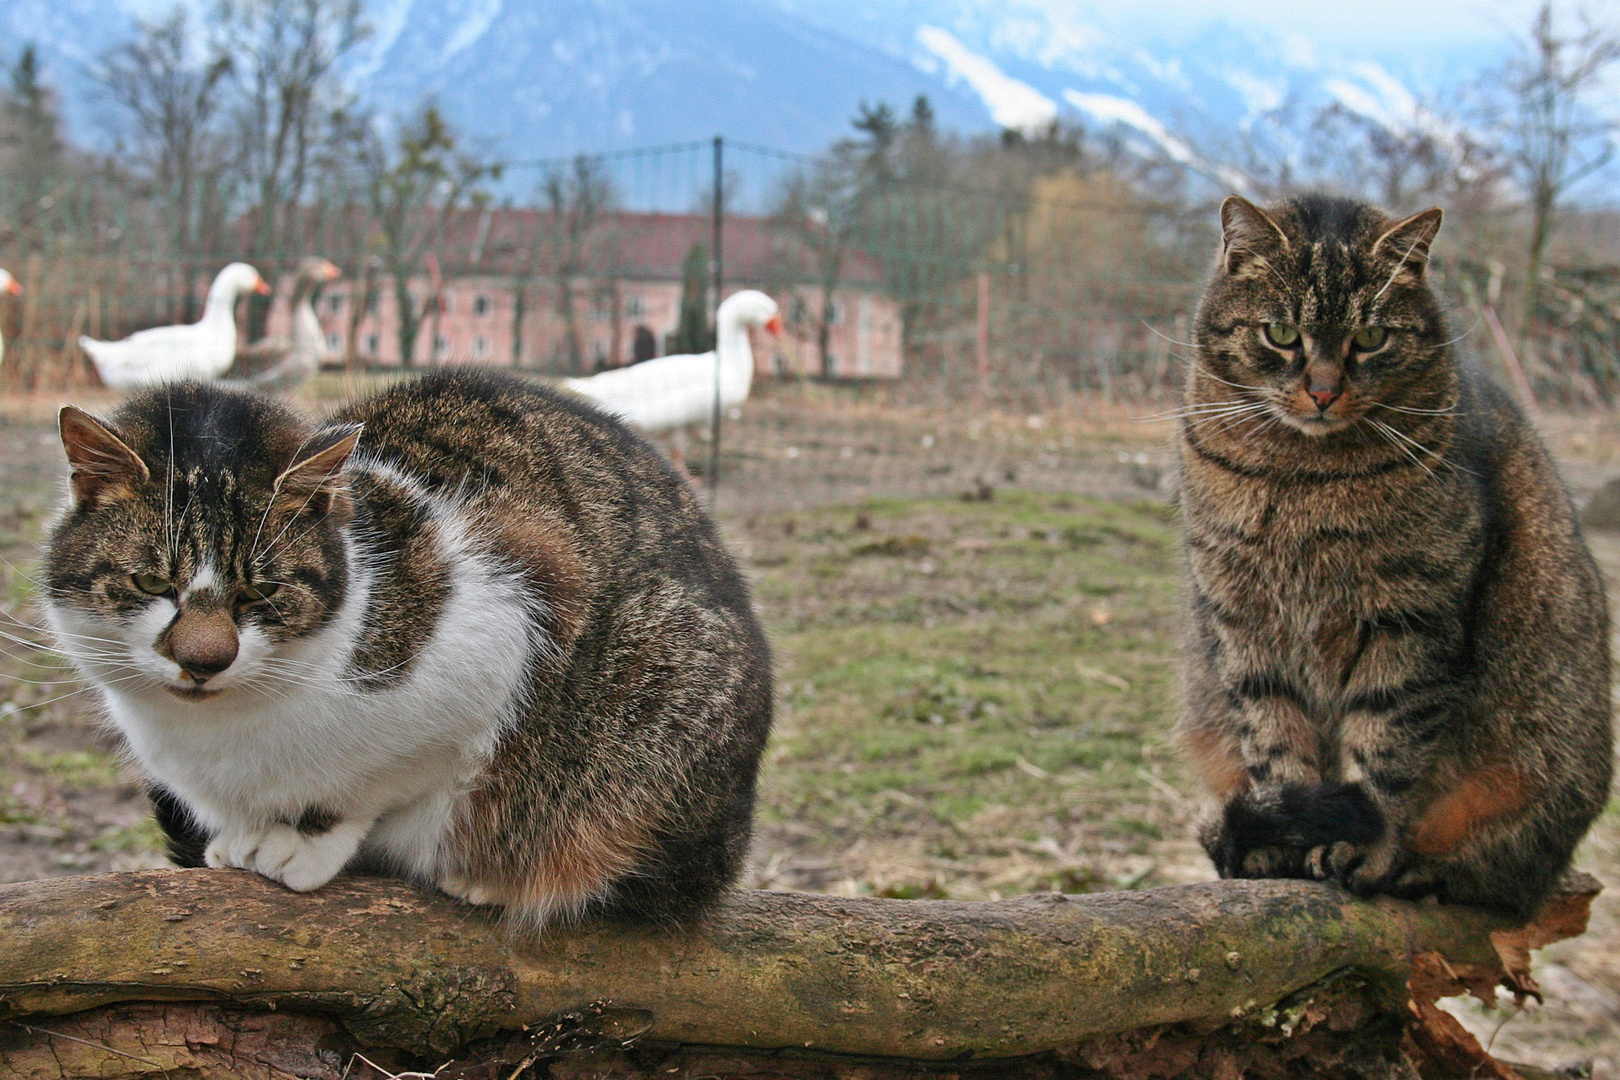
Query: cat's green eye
x=250, y=594
x=1370, y=338
x=1282, y=335
x=152, y=583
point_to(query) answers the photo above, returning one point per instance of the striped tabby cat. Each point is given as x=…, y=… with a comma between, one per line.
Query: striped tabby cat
x=471, y=633
x=1397, y=666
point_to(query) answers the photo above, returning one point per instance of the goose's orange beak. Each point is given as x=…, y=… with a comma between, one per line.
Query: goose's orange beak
x=14, y=287
x=775, y=325
x=262, y=287
x=331, y=272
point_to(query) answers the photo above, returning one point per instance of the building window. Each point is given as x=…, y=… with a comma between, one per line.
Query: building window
x=334, y=303
x=480, y=305
x=441, y=347
x=371, y=344
x=835, y=314
x=801, y=313
x=635, y=307
x=480, y=345
x=334, y=341
x=371, y=304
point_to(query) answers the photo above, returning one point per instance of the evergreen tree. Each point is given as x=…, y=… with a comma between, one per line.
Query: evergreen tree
x=32, y=141
x=693, y=333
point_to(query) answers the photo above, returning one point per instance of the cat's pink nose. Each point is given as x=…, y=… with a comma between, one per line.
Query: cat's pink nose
x=203, y=643
x=1323, y=397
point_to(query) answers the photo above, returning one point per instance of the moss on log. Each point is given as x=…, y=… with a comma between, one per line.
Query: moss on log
x=395, y=968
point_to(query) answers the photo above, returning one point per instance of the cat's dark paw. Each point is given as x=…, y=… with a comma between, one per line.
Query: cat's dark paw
x=1366, y=869
x=1274, y=861
x=1236, y=855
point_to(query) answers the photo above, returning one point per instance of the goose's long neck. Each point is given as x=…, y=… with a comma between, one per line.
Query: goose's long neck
x=306, y=324
x=736, y=352
x=220, y=307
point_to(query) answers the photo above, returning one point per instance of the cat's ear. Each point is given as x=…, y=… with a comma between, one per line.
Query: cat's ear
x=1248, y=235
x=1406, y=243
x=103, y=464
x=314, y=481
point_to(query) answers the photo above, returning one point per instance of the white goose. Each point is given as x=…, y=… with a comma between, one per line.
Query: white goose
x=8, y=287
x=673, y=391
x=200, y=350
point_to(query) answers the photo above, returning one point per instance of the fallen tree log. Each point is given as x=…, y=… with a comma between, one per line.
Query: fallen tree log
x=178, y=964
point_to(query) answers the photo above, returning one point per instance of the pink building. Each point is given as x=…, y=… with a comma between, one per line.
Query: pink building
x=502, y=300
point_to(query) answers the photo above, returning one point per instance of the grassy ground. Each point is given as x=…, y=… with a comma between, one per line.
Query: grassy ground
x=974, y=695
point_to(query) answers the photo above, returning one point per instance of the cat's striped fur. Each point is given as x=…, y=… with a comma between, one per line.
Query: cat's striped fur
x=470, y=632
x=1397, y=665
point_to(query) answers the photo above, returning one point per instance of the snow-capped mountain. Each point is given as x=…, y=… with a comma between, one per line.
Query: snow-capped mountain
x=566, y=76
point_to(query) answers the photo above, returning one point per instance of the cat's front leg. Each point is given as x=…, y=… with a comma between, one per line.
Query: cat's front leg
x=1278, y=749
x=1386, y=750
x=297, y=855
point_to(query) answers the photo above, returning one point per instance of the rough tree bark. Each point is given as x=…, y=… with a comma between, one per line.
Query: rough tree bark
x=212, y=973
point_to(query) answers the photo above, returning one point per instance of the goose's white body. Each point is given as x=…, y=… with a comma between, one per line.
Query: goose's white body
x=200, y=350
x=8, y=286
x=673, y=391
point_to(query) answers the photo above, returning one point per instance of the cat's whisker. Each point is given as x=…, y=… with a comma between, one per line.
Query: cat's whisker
x=1399, y=266
x=46, y=632
x=47, y=658
x=1158, y=333
x=81, y=690
x=1393, y=438
x=1267, y=414
x=273, y=551
x=28, y=643
x=1398, y=433
x=1272, y=270
x=17, y=570
x=1192, y=410
x=1241, y=386
x=170, y=537
x=1451, y=411
x=1466, y=333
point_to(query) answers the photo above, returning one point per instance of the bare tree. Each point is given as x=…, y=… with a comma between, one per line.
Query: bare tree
x=413, y=193
x=1553, y=130
x=576, y=201
x=284, y=59
x=171, y=108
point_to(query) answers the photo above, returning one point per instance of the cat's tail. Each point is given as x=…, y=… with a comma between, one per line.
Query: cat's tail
x=186, y=840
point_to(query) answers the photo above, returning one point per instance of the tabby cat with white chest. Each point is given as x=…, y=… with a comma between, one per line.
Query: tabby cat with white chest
x=470, y=632
x=1397, y=666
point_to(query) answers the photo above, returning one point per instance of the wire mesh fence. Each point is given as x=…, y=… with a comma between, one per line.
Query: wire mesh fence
x=948, y=326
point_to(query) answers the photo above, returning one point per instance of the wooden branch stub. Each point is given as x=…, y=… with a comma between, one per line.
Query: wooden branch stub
x=931, y=980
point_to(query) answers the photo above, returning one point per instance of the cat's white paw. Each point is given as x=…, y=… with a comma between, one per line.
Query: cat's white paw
x=468, y=891
x=281, y=853
x=233, y=850
x=301, y=863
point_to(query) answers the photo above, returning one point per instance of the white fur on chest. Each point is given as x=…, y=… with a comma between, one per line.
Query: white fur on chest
x=296, y=730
